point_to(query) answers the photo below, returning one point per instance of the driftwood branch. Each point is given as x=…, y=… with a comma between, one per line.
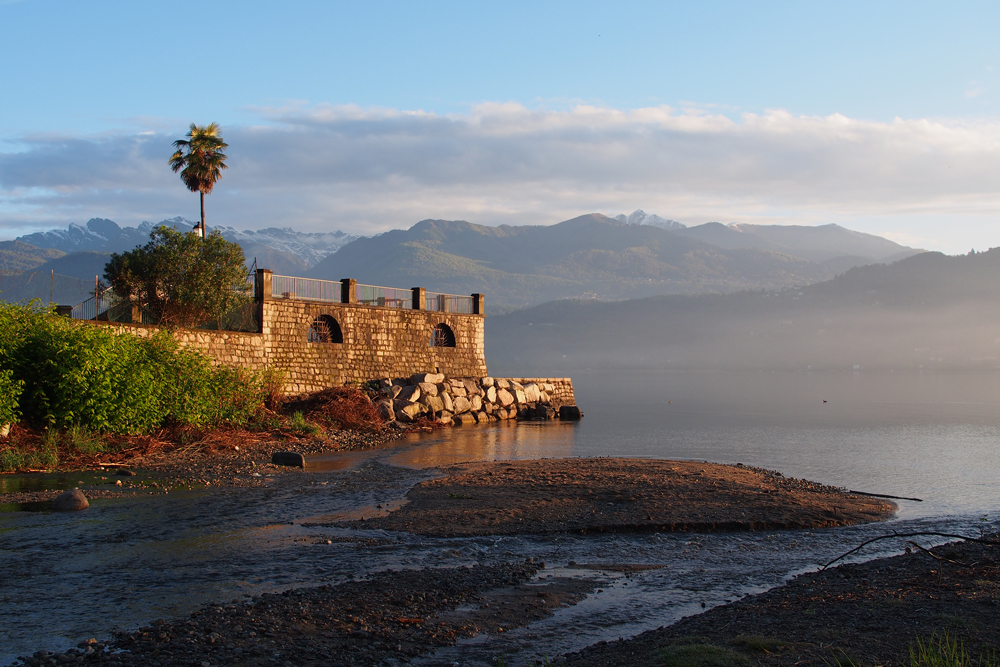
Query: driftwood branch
x=883, y=495
x=932, y=554
x=897, y=535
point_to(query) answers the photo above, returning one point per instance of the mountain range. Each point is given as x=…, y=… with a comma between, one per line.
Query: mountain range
x=600, y=257
x=591, y=256
x=928, y=311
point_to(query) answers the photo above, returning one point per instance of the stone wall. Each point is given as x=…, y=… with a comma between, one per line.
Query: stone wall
x=378, y=343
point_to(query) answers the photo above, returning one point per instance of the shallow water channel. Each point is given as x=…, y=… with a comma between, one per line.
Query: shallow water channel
x=123, y=562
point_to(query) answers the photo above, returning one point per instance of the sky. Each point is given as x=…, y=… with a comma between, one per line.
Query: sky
x=881, y=117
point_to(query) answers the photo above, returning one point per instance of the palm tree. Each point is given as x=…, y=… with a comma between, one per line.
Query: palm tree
x=202, y=160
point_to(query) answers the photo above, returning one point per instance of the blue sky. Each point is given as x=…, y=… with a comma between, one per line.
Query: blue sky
x=370, y=116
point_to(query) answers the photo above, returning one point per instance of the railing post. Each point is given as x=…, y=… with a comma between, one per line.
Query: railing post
x=64, y=311
x=443, y=303
x=263, y=286
x=477, y=304
x=263, y=295
x=419, y=298
x=348, y=290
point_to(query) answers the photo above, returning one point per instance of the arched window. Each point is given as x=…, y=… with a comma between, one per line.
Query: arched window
x=325, y=329
x=442, y=336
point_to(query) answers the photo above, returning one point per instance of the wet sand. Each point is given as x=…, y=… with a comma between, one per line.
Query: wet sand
x=620, y=495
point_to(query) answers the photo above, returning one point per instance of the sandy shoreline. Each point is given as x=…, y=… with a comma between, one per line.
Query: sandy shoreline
x=620, y=495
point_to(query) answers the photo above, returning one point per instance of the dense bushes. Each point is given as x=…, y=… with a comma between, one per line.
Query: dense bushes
x=71, y=374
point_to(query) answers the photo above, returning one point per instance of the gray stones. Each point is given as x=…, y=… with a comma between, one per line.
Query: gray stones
x=505, y=398
x=467, y=400
x=569, y=413
x=385, y=410
x=432, y=378
x=70, y=501
x=293, y=459
x=410, y=393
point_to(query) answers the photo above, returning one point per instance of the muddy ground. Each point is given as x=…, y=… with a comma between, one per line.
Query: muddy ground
x=862, y=614
x=206, y=464
x=391, y=616
x=621, y=495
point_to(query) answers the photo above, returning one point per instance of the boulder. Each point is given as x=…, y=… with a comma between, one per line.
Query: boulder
x=543, y=397
x=385, y=410
x=428, y=389
x=433, y=378
x=461, y=405
x=293, y=459
x=502, y=384
x=547, y=386
x=443, y=387
x=531, y=393
x=445, y=417
x=409, y=411
x=411, y=394
x=481, y=417
x=466, y=418
x=486, y=381
x=520, y=397
x=491, y=395
x=569, y=413
x=433, y=403
x=448, y=403
x=471, y=388
x=458, y=391
x=4, y=430
x=489, y=407
x=70, y=501
x=516, y=385
x=505, y=398
x=476, y=403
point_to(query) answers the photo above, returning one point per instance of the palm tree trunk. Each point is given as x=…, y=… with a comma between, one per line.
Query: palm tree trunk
x=202, y=213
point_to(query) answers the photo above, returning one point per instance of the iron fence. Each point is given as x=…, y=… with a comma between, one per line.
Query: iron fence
x=309, y=289
x=384, y=297
x=449, y=303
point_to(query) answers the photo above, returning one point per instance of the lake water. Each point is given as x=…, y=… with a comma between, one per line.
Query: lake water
x=123, y=562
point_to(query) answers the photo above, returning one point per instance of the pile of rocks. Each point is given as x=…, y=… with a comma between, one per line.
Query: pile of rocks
x=468, y=400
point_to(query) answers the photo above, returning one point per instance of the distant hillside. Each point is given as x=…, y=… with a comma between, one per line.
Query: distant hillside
x=817, y=244
x=927, y=311
x=18, y=256
x=281, y=250
x=83, y=265
x=588, y=256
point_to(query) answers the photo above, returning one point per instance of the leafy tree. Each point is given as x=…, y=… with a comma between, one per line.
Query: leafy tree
x=200, y=159
x=181, y=279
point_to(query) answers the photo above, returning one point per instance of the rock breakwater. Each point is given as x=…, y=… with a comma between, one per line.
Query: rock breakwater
x=435, y=397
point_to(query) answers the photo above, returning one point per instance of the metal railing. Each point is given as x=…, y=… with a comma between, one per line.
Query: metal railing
x=383, y=297
x=308, y=289
x=95, y=306
x=449, y=303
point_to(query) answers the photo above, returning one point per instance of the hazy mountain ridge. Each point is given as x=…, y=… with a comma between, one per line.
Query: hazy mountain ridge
x=281, y=250
x=591, y=255
x=924, y=312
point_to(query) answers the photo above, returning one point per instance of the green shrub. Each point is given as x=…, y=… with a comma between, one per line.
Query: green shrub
x=10, y=394
x=79, y=375
x=298, y=424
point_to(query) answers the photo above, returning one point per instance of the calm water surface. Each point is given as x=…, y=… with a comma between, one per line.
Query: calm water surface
x=64, y=578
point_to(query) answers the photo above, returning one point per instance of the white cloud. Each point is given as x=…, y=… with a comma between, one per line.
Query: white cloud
x=367, y=170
